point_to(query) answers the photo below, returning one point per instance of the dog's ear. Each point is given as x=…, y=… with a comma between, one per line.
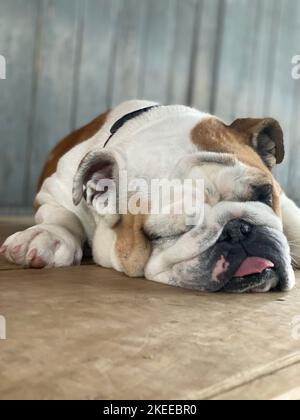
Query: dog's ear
x=131, y=247
x=265, y=136
x=96, y=166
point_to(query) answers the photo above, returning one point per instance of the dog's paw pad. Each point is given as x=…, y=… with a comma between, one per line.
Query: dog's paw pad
x=38, y=247
x=34, y=260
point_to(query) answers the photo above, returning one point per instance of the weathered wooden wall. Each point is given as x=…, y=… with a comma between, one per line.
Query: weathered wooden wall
x=68, y=60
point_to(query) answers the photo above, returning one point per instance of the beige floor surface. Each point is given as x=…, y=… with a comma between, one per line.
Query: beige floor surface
x=91, y=333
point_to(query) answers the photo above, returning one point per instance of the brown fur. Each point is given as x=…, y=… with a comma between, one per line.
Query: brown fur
x=251, y=127
x=66, y=144
x=132, y=247
x=214, y=136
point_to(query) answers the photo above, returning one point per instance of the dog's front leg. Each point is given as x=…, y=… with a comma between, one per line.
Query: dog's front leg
x=56, y=240
x=291, y=227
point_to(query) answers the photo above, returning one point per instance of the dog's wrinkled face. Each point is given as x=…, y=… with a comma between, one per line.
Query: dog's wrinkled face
x=239, y=246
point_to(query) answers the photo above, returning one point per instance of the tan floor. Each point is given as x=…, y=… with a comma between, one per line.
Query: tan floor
x=87, y=332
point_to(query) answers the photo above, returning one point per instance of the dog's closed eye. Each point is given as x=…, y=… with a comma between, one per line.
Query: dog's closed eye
x=263, y=194
x=156, y=237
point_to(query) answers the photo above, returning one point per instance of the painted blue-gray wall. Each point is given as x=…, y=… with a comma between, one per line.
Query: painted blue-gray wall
x=69, y=60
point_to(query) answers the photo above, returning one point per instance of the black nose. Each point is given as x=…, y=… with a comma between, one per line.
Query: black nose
x=235, y=231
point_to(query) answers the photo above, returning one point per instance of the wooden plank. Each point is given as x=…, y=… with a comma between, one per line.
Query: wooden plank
x=17, y=42
x=52, y=113
x=231, y=57
x=294, y=156
x=182, y=54
x=245, y=66
x=235, y=56
x=254, y=76
x=281, y=385
x=282, y=95
x=159, y=46
x=100, y=23
x=264, y=40
x=176, y=344
x=127, y=51
x=16, y=211
x=173, y=68
x=205, y=59
x=254, y=81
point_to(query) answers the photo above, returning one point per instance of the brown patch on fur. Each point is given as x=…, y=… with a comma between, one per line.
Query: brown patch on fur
x=66, y=144
x=252, y=127
x=132, y=247
x=212, y=135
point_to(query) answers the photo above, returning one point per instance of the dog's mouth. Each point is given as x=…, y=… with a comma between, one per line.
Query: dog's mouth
x=258, y=264
x=254, y=275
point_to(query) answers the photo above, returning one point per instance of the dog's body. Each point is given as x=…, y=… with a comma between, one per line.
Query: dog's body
x=239, y=246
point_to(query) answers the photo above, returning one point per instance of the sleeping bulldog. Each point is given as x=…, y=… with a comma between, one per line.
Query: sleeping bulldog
x=248, y=232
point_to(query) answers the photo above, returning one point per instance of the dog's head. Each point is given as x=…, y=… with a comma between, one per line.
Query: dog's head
x=239, y=244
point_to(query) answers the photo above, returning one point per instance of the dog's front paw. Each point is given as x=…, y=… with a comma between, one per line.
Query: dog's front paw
x=42, y=246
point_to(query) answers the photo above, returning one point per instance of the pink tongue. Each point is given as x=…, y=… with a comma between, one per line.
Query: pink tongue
x=253, y=265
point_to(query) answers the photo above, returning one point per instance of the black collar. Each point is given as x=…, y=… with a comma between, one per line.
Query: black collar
x=118, y=124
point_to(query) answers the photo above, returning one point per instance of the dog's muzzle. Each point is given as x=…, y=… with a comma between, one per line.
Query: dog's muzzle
x=239, y=247
x=256, y=259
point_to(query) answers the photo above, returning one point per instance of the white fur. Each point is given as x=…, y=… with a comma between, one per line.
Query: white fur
x=58, y=217
x=104, y=246
x=45, y=245
x=291, y=227
x=163, y=135
x=200, y=238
